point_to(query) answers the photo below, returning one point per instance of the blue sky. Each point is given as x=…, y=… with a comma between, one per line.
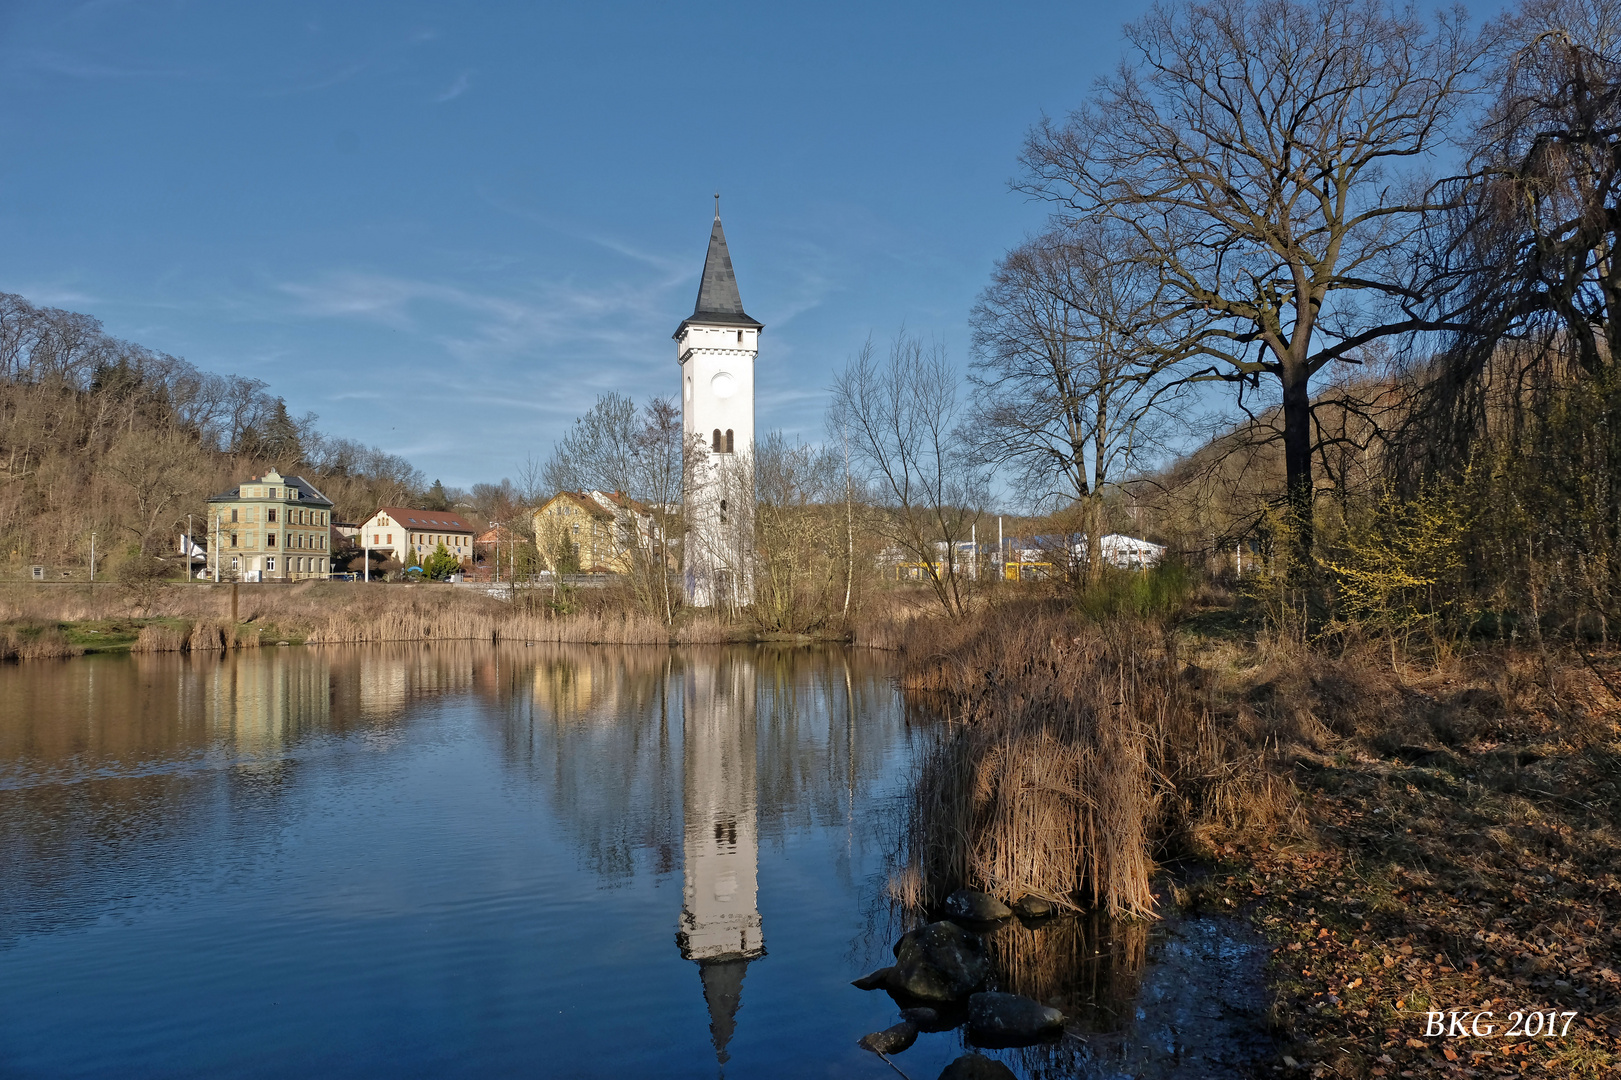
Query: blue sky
x=446, y=228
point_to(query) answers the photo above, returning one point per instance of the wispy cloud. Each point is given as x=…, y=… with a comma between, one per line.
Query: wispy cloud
x=457, y=88
x=321, y=81
x=80, y=67
x=476, y=326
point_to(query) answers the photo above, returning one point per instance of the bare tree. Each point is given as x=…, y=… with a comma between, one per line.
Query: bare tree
x=903, y=419
x=1264, y=155
x=598, y=452
x=1072, y=377
x=800, y=534
x=617, y=448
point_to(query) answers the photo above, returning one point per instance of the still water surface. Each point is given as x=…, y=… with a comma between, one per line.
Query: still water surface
x=466, y=860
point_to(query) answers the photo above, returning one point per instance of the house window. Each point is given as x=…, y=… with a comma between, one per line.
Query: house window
x=740, y=337
x=233, y=516
x=391, y=539
x=233, y=562
x=728, y=440
x=272, y=514
x=270, y=540
x=233, y=539
x=270, y=563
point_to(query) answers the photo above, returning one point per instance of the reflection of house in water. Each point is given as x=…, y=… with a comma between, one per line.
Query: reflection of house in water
x=263, y=702
x=720, y=918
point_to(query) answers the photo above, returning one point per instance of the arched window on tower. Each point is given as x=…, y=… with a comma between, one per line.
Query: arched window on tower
x=723, y=511
x=728, y=440
x=715, y=442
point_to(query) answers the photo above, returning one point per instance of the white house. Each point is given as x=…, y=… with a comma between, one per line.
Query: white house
x=716, y=347
x=412, y=535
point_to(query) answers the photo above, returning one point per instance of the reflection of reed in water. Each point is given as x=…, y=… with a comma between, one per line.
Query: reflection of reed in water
x=1088, y=965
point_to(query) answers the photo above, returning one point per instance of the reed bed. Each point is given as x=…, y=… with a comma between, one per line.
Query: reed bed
x=1073, y=751
x=350, y=614
x=35, y=642
x=161, y=637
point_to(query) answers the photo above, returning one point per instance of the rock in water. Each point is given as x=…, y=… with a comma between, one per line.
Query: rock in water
x=976, y=906
x=1032, y=907
x=873, y=980
x=891, y=1040
x=977, y=1067
x=1010, y=1019
x=939, y=962
x=926, y=1019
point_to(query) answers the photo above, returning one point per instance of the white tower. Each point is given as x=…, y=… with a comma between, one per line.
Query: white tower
x=716, y=348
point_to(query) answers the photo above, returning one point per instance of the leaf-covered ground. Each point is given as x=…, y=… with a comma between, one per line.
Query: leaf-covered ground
x=1481, y=875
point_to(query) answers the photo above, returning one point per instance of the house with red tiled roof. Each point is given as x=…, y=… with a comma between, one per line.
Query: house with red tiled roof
x=412, y=535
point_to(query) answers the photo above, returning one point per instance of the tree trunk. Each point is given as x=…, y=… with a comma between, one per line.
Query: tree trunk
x=1297, y=462
x=1092, y=522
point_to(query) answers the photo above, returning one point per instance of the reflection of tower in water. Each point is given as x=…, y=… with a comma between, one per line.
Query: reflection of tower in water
x=720, y=916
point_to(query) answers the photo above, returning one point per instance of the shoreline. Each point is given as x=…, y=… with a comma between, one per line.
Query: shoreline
x=51, y=620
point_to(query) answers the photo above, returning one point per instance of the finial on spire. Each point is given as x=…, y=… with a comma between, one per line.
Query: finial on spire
x=717, y=206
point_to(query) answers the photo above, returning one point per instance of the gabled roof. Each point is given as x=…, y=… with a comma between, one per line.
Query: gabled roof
x=718, y=299
x=621, y=500
x=580, y=498
x=307, y=493
x=441, y=520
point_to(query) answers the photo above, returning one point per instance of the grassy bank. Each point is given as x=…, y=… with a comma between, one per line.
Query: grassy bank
x=1433, y=837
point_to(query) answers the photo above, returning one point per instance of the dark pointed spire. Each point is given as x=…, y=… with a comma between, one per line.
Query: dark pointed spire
x=723, y=993
x=718, y=300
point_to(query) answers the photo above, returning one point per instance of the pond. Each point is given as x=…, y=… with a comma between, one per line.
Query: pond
x=480, y=860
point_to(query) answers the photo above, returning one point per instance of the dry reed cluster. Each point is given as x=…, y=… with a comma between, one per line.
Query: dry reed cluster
x=1073, y=751
x=34, y=642
x=320, y=613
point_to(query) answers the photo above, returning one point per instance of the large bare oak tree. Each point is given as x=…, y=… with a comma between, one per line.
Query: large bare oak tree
x=1266, y=155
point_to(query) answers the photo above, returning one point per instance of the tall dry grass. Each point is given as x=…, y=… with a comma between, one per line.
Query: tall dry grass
x=35, y=641
x=351, y=614
x=1073, y=751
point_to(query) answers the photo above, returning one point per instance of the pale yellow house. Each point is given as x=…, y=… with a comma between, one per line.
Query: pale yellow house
x=271, y=528
x=602, y=526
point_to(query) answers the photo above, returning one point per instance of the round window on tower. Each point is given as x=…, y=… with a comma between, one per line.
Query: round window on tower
x=723, y=385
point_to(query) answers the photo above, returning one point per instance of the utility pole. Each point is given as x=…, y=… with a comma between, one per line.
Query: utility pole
x=218, y=554
x=92, y=558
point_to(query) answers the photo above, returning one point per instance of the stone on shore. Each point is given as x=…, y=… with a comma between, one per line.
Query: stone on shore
x=939, y=962
x=976, y=906
x=873, y=980
x=1032, y=907
x=891, y=1040
x=977, y=1067
x=1010, y=1019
